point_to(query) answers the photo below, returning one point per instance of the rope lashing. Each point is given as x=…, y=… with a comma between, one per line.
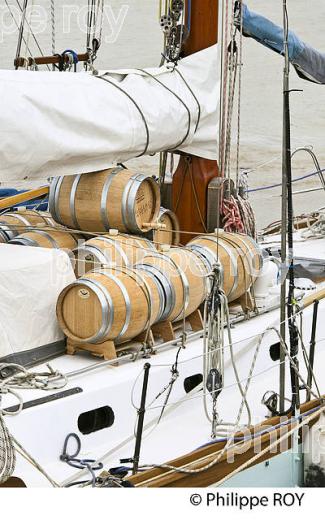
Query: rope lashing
x=72, y=60
x=73, y=54
x=146, y=150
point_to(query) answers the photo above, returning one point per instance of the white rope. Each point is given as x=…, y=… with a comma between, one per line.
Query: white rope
x=257, y=374
x=21, y=379
x=316, y=230
x=7, y=452
x=186, y=470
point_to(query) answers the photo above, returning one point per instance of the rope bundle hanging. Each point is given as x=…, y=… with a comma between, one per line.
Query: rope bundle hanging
x=236, y=211
x=231, y=217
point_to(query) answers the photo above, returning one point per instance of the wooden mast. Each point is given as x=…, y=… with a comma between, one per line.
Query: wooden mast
x=193, y=175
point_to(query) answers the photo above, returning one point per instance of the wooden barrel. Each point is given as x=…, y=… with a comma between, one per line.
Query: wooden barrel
x=183, y=277
x=196, y=273
x=170, y=233
x=6, y=233
x=111, y=250
x=239, y=257
x=14, y=222
x=55, y=239
x=110, y=304
x=111, y=199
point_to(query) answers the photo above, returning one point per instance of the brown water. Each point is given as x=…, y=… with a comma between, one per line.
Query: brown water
x=139, y=44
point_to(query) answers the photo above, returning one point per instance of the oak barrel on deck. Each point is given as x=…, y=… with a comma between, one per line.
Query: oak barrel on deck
x=111, y=250
x=170, y=233
x=184, y=279
x=196, y=275
x=110, y=304
x=55, y=239
x=239, y=257
x=110, y=199
x=14, y=222
x=6, y=233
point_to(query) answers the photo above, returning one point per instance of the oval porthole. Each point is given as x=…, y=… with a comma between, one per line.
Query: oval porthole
x=96, y=420
x=275, y=351
x=192, y=382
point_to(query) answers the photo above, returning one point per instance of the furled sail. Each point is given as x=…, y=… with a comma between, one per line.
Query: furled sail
x=308, y=62
x=55, y=123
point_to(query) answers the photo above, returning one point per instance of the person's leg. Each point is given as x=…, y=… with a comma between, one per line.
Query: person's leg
x=309, y=63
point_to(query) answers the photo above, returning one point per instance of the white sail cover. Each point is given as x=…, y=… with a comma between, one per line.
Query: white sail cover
x=31, y=279
x=56, y=123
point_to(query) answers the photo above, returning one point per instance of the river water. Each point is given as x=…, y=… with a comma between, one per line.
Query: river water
x=132, y=38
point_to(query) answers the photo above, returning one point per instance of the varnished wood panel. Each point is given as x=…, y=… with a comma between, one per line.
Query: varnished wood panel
x=204, y=25
x=193, y=175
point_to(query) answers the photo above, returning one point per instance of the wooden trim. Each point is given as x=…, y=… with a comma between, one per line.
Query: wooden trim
x=9, y=202
x=311, y=298
x=47, y=60
x=204, y=26
x=161, y=477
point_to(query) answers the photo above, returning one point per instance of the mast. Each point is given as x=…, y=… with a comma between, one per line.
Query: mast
x=287, y=301
x=193, y=175
x=204, y=16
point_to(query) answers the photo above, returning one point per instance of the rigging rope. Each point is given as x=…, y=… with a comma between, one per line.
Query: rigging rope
x=236, y=210
x=53, y=26
x=21, y=29
x=95, y=20
x=231, y=439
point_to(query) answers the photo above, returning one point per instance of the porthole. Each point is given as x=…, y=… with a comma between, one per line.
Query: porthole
x=192, y=382
x=96, y=420
x=275, y=351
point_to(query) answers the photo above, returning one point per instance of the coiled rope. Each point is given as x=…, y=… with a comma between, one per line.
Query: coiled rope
x=7, y=452
x=20, y=378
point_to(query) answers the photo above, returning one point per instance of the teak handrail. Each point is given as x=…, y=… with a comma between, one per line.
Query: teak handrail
x=47, y=60
x=26, y=196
